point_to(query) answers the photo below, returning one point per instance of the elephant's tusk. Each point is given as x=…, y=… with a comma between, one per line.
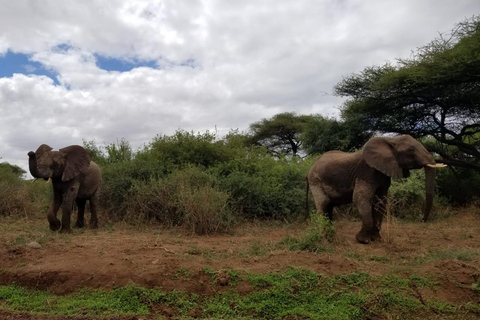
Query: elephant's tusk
x=34, y=180
x=437, y=165
x=48, y=180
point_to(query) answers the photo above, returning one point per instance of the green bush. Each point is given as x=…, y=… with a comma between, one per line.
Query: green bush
x=406, y=197
x=19, y=197
x=264, y=187
x=460, y=186
x=257, y=184
x=186, y=148
x=317, y=237
x=187, y=197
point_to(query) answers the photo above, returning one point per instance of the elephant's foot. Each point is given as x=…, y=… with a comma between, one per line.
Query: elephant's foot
x=93, y=224
x=79, y=224
x=363, y=237
x=375, y=236
x=65, y=230
x=54, y=224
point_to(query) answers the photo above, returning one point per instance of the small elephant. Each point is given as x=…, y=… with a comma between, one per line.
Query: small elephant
x=74, y=178
x=364, y=177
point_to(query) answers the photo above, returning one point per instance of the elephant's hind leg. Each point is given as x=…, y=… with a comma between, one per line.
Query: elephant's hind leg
x=322, y=201
x=81, y=213
x=93, y=209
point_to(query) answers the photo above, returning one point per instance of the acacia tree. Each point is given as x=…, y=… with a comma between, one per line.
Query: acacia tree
x=435, y=93
x=280, y=134
x=322, y=134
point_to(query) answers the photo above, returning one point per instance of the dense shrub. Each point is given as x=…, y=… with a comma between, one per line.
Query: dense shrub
x=406, y=197
x=258, y=185
x=186, y=148
x=19, y=197
x=187, y=197
x=264, y=187
x=460, y=186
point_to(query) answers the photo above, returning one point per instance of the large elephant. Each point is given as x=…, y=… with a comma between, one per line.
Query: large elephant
x=364, y=177
x=74, y=178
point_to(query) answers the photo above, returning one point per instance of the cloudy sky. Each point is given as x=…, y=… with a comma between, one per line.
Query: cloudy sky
x=105, y=70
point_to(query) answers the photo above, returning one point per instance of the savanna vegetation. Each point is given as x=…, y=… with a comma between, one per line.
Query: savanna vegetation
x=207, y=184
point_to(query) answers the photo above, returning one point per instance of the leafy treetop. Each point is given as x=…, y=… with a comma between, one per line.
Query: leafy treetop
x=435, y=93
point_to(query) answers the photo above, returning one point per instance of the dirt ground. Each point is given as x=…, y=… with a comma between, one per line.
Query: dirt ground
x=446, y=250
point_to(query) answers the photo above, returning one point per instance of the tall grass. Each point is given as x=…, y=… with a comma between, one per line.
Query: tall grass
x=187, y=197
x=19, y=197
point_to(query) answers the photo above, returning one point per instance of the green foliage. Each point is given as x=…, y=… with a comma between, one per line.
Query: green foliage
x=187, y=197
x=130, y=300
x=294, y=293
x=264, y=187
x=323, y=134
x=316, y=237
x=9, y=169
x=434, y=93
x=185, y=178
x=406, y=197
x=460, y=186
x=280, y=134
x=120, y=151
x=19, y=197
x=186, y=148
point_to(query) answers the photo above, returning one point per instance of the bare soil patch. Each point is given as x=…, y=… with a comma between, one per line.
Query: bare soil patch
x=446, y=251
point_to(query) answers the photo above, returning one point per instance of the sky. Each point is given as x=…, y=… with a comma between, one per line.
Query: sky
x=105, y=70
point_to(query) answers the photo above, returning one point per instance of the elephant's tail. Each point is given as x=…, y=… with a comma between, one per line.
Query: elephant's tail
x=307, y=207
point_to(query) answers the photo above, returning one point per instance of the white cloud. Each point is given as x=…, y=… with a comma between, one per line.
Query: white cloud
x=252, y=59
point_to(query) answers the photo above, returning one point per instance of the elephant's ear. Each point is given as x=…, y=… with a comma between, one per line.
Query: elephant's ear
x=380, y=154
x=41, y=150
x=77, y=161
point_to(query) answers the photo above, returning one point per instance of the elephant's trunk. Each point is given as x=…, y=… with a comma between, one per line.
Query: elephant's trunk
x=429, y=189
x=32, y=165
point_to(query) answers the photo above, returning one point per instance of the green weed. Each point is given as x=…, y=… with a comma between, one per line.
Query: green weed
x=317, y=237
x=294, y=293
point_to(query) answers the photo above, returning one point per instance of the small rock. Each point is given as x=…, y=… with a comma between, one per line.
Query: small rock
x=155, y=261
x=223, y=281
x=34, y=245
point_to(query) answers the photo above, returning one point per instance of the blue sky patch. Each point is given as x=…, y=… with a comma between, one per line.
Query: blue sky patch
x=11, y=63
x=113, y=64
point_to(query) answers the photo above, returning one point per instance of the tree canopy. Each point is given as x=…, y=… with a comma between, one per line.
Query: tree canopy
x=435, y=93
x=279, y=134
x=322, y=134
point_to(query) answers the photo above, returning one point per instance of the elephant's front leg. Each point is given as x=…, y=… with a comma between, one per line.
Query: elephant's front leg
x=363, y=199
x=379, y=210
x=68, y=199
x=52, y=211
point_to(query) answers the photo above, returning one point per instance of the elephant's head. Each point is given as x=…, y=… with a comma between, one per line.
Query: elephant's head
x=395, y=156
x=64, y=164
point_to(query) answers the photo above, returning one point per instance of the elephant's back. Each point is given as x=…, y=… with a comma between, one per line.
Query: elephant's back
x=334, y=164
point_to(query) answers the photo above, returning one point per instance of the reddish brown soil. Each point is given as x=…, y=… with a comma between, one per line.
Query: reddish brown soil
x=447, y=251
